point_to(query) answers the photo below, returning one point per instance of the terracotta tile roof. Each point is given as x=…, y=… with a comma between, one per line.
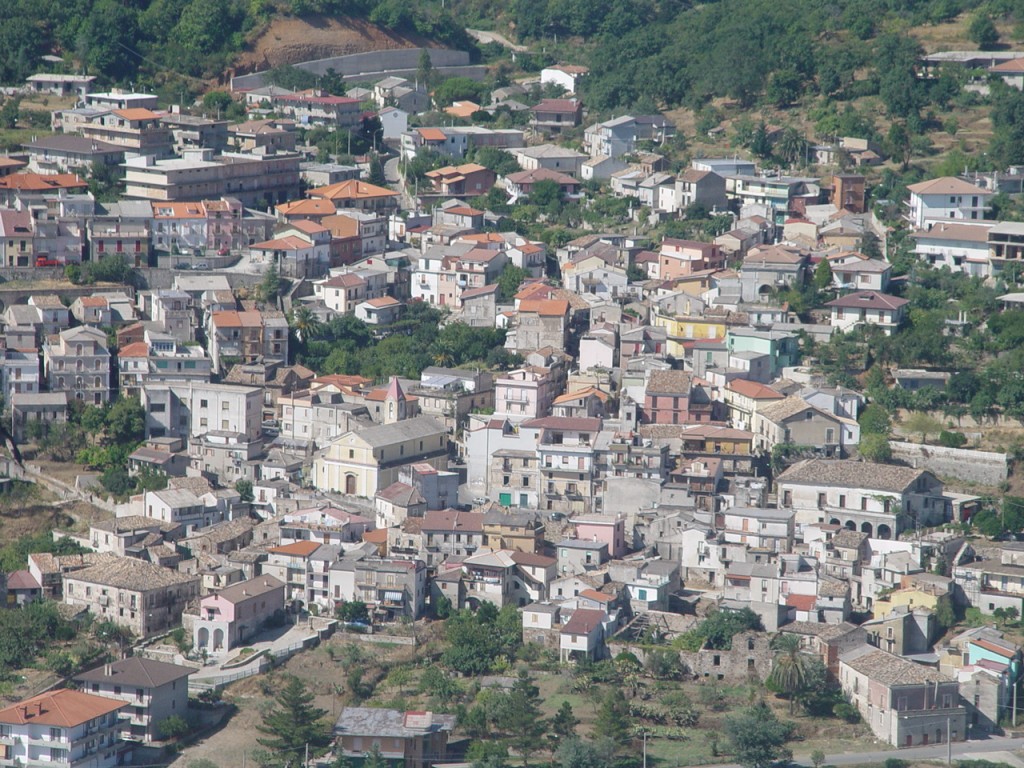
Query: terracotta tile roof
x=545, y=307
x=753, y=390
x=137, y=113
x=296, y=549
x=801, y=602
x=135, y=349
x=583, y=621
x=317, y=206
x=453, y=520
x=568, y=397
x=432, y=134
x=35, y=182
x=353, y=189
x=868, y=300
x=63, y=709
x=947, y=185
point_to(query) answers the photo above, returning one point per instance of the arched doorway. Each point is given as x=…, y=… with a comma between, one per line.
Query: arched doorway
x=350, y=485
x=218, y=639
x=203, y=637
x=834, y=521
x=851, y=525
x=884, y=532
x=866, y=528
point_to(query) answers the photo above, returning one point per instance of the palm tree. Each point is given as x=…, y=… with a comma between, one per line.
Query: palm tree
x=789, y=668
x=305, y=323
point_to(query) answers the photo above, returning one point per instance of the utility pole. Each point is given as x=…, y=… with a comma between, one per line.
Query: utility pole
x=305, y=759
x=645, y=749
x=949, y=741
x=1016, y=685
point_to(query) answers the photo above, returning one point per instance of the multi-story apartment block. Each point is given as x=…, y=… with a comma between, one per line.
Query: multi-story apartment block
x=256, y=180
x=243, y=337
x=160, y=358
x=136, y=129
x=566, y=458
x=150, y=690
x=946, y=198
x=63, y=729
x=319, y=108
x=391, y=588
x=194, y=408
x=78, y=362
x=143, y=598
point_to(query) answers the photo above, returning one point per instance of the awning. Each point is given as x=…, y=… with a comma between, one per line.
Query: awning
x=393, y=597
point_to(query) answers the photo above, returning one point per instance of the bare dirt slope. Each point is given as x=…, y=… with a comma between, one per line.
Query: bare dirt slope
x=292, y=40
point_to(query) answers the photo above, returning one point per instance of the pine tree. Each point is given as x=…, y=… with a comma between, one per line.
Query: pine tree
x=522, y=717
x=613, y=721
x=294, y=722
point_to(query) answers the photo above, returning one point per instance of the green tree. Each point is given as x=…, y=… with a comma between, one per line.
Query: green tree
x=271, y=285
x=436, y=683
x=9, y=113
x=521, y=717
x=823, y=275
x=376, y=175
x=789, y=668
x=293, y=722
x=573, y=752
x=353, y=611
x=563, y=724
x=613, y=718
x=898, y=144
x=509, y=281
x=784, y=87
x=425, y=70
x=244, y=488
x=875, y=446
x=546, y=193
x=983, y=31
x=874, y=420
x=923, y=424
x=758, y=737
x=374, y=759
x=305, y=323
x=173, y=727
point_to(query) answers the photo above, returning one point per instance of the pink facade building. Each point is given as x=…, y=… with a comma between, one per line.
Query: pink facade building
x=605, y=529
x=525, y=393
x=230, y=617
x=680, y=258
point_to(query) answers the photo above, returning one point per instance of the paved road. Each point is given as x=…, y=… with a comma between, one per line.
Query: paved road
x=968, y=749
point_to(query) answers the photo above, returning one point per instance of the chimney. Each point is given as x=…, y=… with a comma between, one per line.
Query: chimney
x=108, y=670
x=245, y=592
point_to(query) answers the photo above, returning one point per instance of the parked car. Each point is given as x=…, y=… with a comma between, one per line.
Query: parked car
x=223, y=251
x=201, y=265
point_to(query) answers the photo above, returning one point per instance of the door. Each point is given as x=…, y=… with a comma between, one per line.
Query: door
x=505, y=499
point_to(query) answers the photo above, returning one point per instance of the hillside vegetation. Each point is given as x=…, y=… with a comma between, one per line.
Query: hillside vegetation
x=642, y=52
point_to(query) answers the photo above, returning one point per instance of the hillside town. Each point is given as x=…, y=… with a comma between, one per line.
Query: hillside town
x=368, y=399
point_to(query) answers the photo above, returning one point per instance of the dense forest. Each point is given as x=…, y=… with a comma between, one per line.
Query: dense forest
x=643, y=53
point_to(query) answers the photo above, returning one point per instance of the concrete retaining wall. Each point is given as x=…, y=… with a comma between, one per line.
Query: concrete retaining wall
x=376, y=65
x=983, y=467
